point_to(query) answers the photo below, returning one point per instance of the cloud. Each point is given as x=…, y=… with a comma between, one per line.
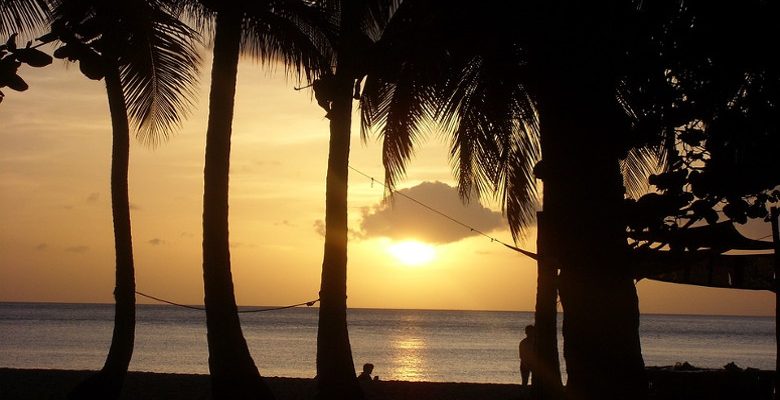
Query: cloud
x=319, y=227
x=156, y=242
x=93, y=197
x=401, y=218
x=77, y=249
x=41, y=246
x=285, y=223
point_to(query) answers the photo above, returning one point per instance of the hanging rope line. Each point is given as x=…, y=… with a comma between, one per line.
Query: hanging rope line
x=463, y=224
x=307, y=304
x=412, y=199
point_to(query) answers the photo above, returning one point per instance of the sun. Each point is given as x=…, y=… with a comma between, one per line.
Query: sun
x=412, y=252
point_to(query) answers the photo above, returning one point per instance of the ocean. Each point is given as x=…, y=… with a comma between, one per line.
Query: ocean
x=415, y=345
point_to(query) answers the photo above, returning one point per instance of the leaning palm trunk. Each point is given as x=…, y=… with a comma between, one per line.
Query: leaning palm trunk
x=233, y=372
x=583, y=196
x=336, y=378
x=107, y=384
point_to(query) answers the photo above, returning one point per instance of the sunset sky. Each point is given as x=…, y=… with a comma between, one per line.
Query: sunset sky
x=56, y=241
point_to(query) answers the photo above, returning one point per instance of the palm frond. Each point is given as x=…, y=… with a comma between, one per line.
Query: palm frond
x=473, y=90
x=159, y=72
x=22, y=16
x=517, y=184
x=376, y=15
x=637, y=167
x=291, y=32
x=402, y=114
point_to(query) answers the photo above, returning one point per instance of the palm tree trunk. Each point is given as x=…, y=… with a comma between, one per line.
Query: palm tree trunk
x=233, y=372
x=107, y=384
x=580, y=122
x=336, y=378
x=547, y=372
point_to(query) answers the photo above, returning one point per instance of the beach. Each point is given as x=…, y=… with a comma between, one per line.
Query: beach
x=666, y=383
x=39, y=384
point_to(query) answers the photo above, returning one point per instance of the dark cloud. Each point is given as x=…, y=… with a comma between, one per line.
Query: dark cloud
x=156, y=242
x=401, y=218
x=77, y=249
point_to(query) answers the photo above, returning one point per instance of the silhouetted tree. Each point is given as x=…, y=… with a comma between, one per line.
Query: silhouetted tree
x=25, y=17
x=463, y=68
x=149, y=63
x=12, y=57
x=585, y=66
x=709, y=97
x=356, y=22
x=286, y=31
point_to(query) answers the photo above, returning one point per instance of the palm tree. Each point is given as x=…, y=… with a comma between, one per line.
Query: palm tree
x=287, y=31
x=357, y=21
x=149, y=63
x=473, y=81
x=516, y=66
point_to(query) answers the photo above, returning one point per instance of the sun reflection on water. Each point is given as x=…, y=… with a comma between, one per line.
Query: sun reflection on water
x=408, y=360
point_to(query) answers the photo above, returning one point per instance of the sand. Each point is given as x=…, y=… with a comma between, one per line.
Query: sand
x=37, y=384
x=666, y=383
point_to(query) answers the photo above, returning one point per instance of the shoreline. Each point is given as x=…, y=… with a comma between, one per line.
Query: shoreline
x=649, y=314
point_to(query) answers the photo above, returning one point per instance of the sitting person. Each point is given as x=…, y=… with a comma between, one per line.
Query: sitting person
x=365, y=376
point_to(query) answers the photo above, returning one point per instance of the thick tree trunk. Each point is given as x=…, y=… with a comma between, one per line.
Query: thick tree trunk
x=775, y=216
x=336, y=378
x=335, y=368
x=580, y=123
x=233, y=372
x=547, y=372
x=107, y=383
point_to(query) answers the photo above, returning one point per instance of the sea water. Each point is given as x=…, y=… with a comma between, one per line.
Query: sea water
x=417, y=345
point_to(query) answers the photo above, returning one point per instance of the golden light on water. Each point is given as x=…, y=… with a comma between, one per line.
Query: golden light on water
x=408, y=360
x=412, y=252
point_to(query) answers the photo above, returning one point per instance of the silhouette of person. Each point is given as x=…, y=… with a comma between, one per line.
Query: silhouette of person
x=365, y=376
x=526, y=353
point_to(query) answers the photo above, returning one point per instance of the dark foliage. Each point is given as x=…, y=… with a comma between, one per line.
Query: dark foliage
x=12, y=57
x=705, y=93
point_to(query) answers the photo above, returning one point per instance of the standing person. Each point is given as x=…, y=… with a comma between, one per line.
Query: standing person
x=526, y=353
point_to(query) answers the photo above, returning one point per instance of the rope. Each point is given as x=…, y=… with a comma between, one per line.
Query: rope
x=469, y=227
x=307, y=304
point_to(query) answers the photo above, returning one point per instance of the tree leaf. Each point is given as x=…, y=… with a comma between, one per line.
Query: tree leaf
x=16, y=82
x=91, y=66
x=65, y=51
x=33, y=57
x=48, y=38
x=11, y=43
